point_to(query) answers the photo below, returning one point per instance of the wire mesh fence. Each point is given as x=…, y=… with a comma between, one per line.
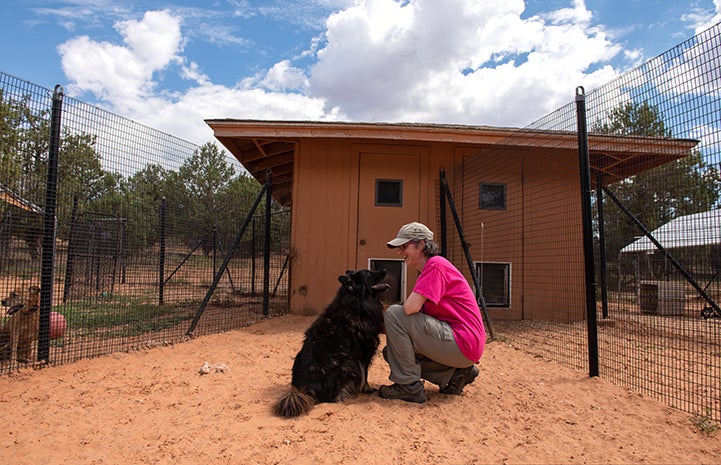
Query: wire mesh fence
x=654, y=152
x=142, y=223
x=145, y=223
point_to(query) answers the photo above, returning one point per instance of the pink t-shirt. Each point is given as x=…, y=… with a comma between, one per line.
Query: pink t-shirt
x=450, y=299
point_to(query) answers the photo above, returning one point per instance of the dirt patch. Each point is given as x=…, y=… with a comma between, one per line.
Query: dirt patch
x=154, y=406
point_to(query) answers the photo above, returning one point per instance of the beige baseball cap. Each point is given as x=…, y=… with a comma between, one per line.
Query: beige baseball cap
x=409, y=232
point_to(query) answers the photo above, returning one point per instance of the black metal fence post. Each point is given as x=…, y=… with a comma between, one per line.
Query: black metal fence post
x=587, y=232
x=253, y=248
x=49, y=228
x=444, y=241
x=161, y=259
x=266, y=246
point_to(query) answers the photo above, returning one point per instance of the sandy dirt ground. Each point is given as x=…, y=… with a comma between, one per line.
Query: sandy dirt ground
x=155, y=407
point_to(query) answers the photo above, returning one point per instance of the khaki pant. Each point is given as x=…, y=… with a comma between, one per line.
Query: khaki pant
x=420, y=347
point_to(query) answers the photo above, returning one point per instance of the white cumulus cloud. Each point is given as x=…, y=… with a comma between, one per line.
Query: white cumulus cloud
x=465, y=61
x=121, y=74
x=455, y=61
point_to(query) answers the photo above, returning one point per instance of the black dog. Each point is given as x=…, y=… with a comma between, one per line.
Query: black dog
x=338, y=347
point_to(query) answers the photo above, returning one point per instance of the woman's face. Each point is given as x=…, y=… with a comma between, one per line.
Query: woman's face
x=412, y=253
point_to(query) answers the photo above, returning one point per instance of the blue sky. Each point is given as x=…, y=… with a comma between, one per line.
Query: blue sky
x=172, y=64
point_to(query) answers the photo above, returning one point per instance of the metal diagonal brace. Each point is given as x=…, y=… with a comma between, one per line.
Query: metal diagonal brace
x=224, y=265
x=479, y=293
x=666, y=253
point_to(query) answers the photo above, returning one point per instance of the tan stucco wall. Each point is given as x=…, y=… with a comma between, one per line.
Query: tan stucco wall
x=553, y=239
x=320, y=225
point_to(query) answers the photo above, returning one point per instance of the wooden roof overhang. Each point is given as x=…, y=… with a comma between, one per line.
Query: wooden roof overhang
x=271, y=145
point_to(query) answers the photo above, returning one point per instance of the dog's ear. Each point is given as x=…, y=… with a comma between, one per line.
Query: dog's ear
x=346, y=278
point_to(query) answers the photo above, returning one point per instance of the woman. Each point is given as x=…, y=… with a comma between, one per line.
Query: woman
x=438, y=333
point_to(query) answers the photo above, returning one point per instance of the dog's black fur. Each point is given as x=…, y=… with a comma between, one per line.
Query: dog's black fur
x=332, y=365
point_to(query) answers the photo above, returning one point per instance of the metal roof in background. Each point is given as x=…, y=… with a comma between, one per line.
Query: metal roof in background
x=16, y=200
x=685, y=231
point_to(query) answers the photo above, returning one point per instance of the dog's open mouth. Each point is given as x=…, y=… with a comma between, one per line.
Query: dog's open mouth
x=14, y=309
x=381, y=287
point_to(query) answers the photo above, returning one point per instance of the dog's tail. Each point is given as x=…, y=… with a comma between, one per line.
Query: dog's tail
x=294, y=404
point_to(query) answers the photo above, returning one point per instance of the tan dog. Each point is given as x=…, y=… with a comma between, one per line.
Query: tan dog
x=23, y=310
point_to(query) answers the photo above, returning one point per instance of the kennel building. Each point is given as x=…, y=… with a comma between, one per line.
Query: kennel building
x=352, y=185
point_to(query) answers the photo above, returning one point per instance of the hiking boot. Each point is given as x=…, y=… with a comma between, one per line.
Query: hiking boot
x=408, y=392
x=461, y=377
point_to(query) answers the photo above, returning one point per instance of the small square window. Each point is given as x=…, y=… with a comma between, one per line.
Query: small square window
x=492, y=196
x=389, y=193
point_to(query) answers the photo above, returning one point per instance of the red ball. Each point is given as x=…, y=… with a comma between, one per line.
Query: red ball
x=58, y=324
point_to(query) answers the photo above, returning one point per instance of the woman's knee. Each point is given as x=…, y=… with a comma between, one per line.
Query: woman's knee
x=394, y=313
